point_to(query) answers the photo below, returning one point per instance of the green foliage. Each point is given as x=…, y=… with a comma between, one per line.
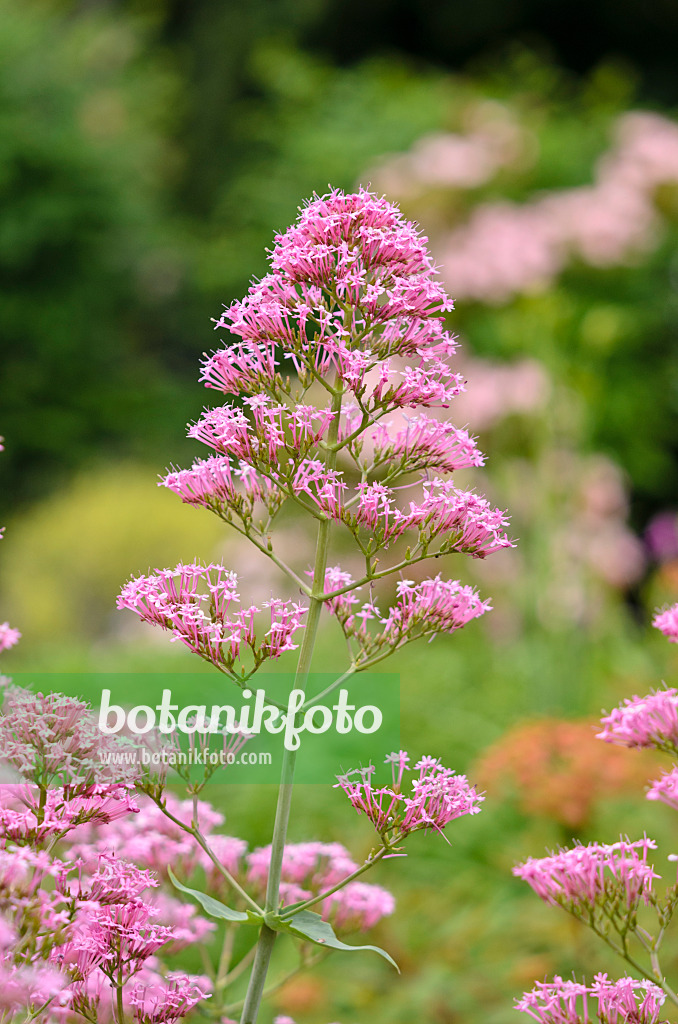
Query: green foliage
x=306, y=126
x=310, y=927
x=215, y=908
x=86, y=253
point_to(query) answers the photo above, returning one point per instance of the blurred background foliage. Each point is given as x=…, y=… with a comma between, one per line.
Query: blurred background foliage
x=149, y=150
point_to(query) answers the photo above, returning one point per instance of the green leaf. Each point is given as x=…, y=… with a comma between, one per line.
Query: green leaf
x=213, y=907
x=311, y=927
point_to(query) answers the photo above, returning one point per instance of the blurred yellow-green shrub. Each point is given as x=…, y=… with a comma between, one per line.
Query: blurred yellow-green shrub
x=70, y=553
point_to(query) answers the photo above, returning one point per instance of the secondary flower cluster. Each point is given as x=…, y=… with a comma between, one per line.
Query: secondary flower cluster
x=665, y=789
x=650, y=721
x=39, y=817
x=223, y=487
x=584, y=875
x=466, y=522
x=625, y=1001
x=46, y=738
x=423, y=443
x=208, y=621
x=437, y=797
x=422, y=609
x=74, y=931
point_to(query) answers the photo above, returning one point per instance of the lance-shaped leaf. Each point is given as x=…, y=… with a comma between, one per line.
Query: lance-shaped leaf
x=311, y=927
x=214, y=907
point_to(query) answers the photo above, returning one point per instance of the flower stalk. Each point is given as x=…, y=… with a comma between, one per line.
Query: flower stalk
x=267, y=936
x=353, y=302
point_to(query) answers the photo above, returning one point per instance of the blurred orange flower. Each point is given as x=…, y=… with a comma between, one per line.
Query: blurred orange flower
x=559, y=770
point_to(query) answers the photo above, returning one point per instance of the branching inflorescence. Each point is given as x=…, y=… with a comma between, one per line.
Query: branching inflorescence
x=335, y=380
x=342, y=345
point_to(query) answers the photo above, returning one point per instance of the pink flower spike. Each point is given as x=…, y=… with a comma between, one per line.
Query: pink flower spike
x=438, y=796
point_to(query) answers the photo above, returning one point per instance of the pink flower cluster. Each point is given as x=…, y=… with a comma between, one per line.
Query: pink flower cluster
x=425, y=443
x=625, y=1001
x=422, y=609
x=167, y=1003
x=50, y=737
x=667, y=623
x=437, y=797
x=216, y=484
x=665, y=789
x=466, y=522
x=274, y=431
x=37, y=816
x=582, y=876
x=207, y=621
x=70, y=943
x=650, y=721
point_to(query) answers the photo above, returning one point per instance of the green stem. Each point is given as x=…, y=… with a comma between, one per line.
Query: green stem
x=119, y=1003
x=202, y=842
x=267, y=936
x=312, y=701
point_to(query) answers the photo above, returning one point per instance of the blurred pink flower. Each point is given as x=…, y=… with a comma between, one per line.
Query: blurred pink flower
x=505, y=249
